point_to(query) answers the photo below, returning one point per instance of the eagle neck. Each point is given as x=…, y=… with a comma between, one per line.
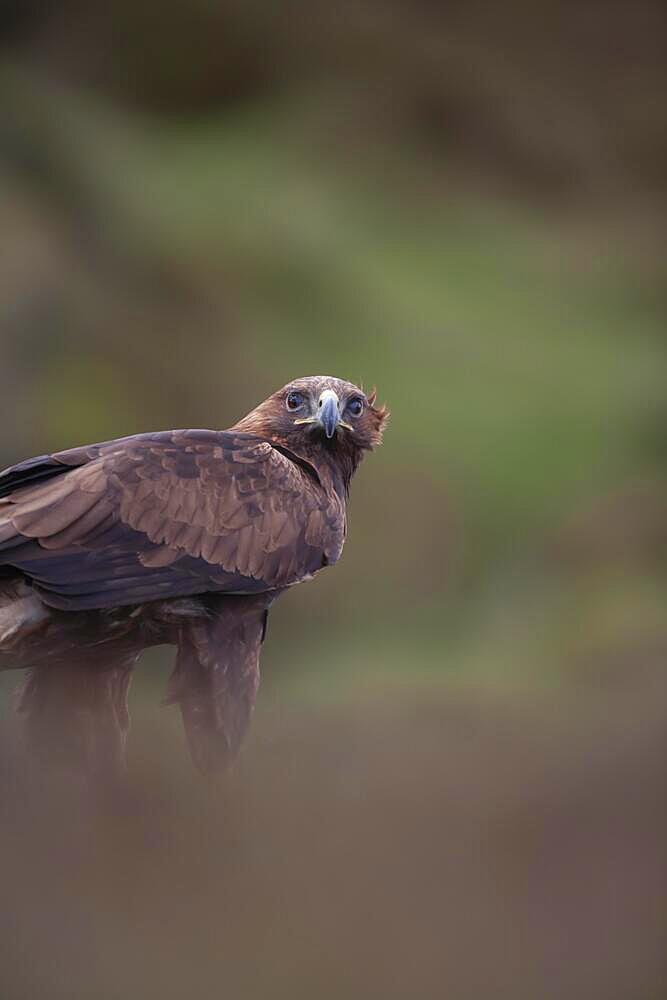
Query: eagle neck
x=341, y=464
x=333, y=463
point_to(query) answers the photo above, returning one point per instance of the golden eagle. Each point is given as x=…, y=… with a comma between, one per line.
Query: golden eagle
x=183, y=537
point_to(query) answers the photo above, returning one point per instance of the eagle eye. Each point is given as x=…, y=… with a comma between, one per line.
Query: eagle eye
x=356, y=406
x=295, y=400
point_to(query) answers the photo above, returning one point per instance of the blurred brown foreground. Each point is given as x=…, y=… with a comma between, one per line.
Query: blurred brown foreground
x=429, y=847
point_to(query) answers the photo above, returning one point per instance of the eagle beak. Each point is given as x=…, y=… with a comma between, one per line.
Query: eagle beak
x=327, y=412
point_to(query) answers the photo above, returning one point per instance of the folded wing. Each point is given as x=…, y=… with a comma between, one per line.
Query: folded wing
x=164, y=515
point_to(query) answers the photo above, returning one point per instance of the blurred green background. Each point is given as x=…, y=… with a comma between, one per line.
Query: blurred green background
x=462, y=204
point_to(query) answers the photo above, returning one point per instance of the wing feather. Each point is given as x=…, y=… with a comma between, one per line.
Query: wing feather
x=83, y=527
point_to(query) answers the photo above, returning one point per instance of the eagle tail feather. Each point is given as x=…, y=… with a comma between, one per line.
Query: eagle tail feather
x=216, y=678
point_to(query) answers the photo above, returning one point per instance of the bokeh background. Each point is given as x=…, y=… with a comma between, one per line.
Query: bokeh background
x=454, y=783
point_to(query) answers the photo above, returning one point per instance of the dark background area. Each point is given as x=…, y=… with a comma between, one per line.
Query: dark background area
x=454, y=785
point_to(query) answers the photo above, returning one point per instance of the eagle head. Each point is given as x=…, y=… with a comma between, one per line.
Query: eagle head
x=322, y=412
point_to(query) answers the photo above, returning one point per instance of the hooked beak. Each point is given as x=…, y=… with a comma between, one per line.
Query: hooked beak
x=327, y=412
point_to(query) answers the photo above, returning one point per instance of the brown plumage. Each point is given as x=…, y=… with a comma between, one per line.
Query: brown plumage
x=181, y=537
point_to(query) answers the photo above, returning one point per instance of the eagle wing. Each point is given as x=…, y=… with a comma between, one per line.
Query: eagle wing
x=165, y=515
